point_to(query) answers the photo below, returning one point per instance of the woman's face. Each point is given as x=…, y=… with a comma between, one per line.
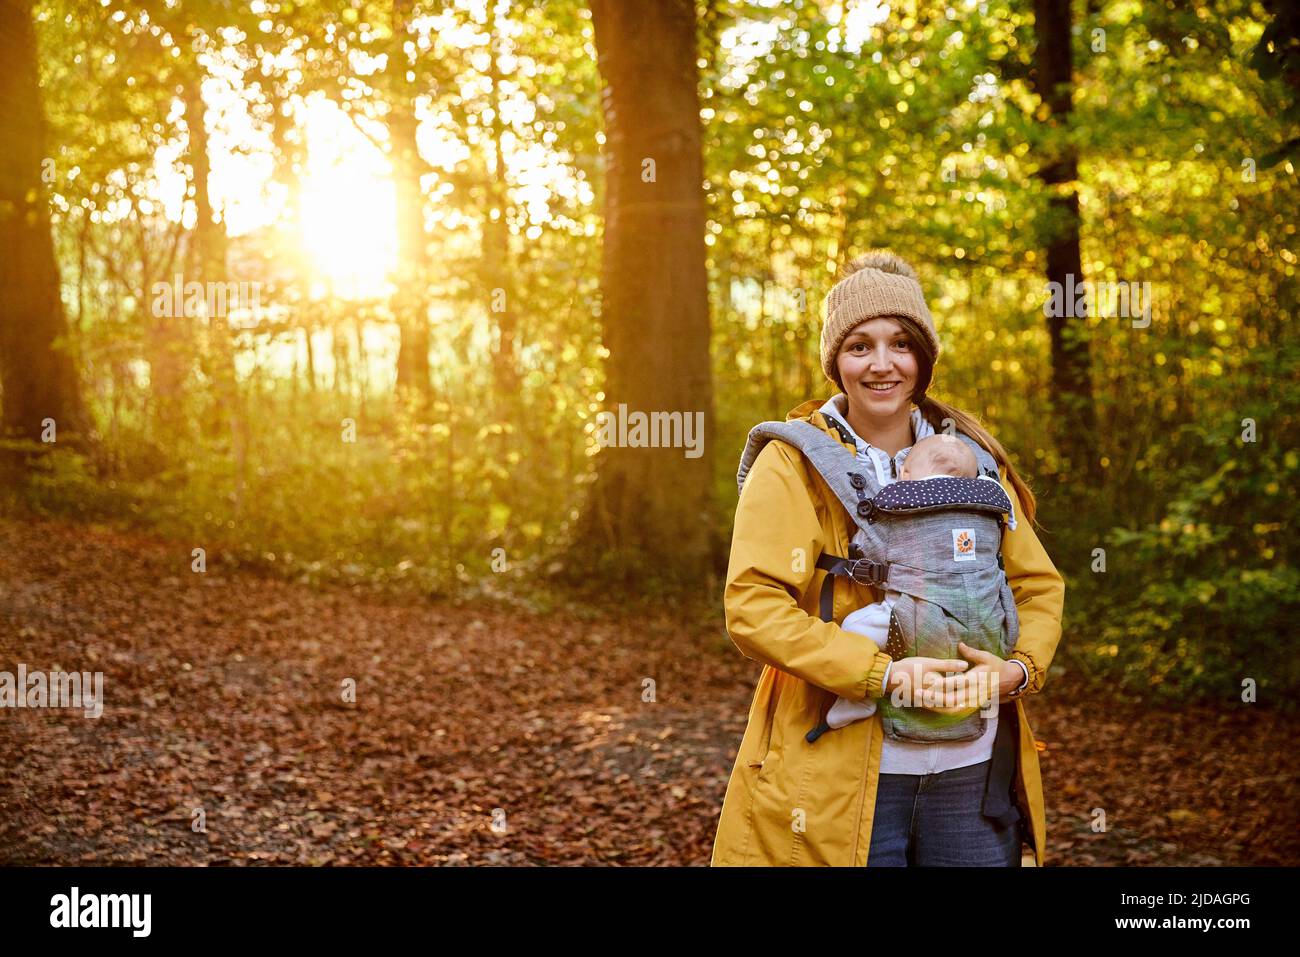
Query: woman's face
x=878, y=353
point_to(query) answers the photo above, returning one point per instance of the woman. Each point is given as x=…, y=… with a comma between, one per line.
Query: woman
x=855, y=797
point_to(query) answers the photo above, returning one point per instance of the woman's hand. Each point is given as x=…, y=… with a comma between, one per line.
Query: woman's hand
x=918, y=680
x=975, y=687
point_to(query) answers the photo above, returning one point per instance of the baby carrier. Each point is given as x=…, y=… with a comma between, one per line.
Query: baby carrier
x=937, y=543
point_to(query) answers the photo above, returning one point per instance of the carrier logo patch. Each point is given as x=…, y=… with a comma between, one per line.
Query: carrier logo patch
x=963, y=544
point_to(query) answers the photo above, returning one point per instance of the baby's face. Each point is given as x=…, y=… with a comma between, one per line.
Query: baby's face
x=918, y=465
x=939, y=455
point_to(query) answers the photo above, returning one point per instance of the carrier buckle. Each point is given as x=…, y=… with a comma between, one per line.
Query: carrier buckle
x=864, y=571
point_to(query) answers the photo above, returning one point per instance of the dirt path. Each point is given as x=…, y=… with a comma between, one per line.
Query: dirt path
x=481, y=735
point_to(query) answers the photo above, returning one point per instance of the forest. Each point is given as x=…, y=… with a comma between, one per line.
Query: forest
x=347, y=302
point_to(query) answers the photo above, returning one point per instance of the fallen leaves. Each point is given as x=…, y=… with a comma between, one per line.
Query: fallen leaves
x=223, y=693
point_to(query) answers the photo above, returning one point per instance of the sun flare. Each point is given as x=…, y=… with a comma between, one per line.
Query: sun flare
x=348, y=225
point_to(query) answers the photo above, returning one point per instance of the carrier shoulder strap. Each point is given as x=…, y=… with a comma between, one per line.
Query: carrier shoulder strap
x=834, y=463
x=852, y=485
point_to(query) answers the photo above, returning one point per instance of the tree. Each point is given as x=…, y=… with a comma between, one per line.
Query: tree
x=40, y=380
x=1277, y=57
x=649, y=508
x=497, y=269
x=412, y=301
x=1076, y=419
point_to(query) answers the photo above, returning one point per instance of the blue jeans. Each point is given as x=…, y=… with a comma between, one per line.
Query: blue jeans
x=934, y=820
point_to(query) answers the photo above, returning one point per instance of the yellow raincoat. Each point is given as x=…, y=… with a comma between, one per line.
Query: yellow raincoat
x=789, y=802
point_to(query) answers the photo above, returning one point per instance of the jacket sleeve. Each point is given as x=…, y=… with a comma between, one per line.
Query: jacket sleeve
x=1039, y=591
x=774, y=549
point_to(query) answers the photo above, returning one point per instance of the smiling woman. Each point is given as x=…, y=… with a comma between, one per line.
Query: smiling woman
x=907, y=792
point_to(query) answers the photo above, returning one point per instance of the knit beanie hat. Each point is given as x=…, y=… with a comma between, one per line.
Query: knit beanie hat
x=878, y=283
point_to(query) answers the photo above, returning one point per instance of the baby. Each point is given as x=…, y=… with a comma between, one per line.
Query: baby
x=936, y=456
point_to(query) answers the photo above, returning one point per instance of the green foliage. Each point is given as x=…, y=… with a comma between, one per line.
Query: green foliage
x=1209, y=595
x=64, y=484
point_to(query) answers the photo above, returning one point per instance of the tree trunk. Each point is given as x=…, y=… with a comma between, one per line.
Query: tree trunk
x=169, y=340
x=290, y=158
x=307, y=331
x=410, y=305
x=1075, y=417
x=207, y=252
x=650, y=509
x=208, y=264
x=496, y=243
x=40, y=380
